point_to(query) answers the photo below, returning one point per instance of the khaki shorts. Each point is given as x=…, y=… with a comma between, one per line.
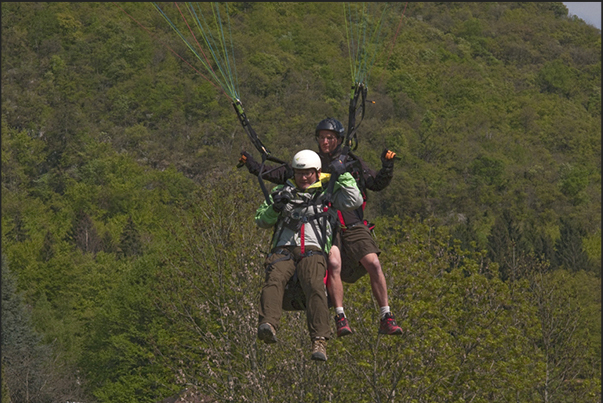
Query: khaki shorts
x=355, y=243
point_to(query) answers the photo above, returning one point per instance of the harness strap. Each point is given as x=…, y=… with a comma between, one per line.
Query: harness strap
x=281, y=251
x=358, y=214
x=312, y=253
x=278, y=252
x=302, y=235
x=289, y=255
x=261, y=180
x=341, y=221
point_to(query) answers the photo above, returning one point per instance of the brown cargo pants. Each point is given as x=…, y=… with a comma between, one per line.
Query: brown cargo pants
x=311, y=270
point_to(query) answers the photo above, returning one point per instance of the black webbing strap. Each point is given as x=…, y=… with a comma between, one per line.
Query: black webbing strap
x=257, y=143
x=360, y=91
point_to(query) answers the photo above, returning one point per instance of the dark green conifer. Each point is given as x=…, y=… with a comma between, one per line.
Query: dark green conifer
x=84, y=235
x=570, y=253
x=22, y=354
x=129, y=243
x=47, y=251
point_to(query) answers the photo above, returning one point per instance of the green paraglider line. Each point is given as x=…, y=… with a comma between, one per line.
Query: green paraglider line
x=221, y=58
x=226, y=72
x=361, y=35
x=171, y=50
x=171, y=24
x=207, y=63
x=226, y=84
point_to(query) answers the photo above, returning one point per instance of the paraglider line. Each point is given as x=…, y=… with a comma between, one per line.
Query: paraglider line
x=198, y=44
x=396, y=36
x=171, y=50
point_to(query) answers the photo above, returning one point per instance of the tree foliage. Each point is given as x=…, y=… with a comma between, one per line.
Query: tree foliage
x=31, y=371
x=136, y=266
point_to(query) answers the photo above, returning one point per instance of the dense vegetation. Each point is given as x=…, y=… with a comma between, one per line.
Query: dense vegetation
x=131, y=267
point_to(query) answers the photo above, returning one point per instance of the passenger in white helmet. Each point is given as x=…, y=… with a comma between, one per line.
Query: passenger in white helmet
x=301, y=218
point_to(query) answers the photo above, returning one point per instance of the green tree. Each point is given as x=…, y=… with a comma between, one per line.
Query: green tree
x=47, y=251
x=130, y=243
x=440, y=292
x=556, y=77
x=565, y=337
x=22, y=354
x=505, y=244
x=84, y=235
x=569, y=248
x=30, y=373
x=492, y=107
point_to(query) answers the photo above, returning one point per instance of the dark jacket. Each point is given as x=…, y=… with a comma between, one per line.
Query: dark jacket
x=365, y=177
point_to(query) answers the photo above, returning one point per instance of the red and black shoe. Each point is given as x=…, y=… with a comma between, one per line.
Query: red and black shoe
x=388, y=325
x=343, y=328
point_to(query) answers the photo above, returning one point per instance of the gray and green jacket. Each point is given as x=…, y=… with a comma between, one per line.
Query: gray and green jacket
x=308, y=209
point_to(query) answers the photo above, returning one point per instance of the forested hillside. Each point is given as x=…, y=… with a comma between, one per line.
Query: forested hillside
x=131, y=265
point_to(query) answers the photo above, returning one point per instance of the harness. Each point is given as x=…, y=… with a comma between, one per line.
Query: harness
x=319, y=219
x=295, y=222
x=356, y=172
x=344, y=227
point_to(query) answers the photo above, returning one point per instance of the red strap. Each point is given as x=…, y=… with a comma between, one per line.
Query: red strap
x=341, y=219
x=301, y=234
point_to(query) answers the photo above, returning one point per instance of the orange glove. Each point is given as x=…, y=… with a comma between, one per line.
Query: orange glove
x=387, y=158
x=243, y=159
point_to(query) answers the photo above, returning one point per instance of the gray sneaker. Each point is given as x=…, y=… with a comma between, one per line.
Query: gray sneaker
x=319, y=349
x=267, y=333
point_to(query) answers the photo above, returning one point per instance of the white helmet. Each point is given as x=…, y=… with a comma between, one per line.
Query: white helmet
x=306, y=159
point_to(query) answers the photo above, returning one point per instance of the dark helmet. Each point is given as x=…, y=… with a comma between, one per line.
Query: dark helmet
x=330, y=124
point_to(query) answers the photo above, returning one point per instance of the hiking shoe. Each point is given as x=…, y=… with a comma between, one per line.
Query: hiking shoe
x=267, y=333
x=343, y=328
x=388, y=325
x=319, y=349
